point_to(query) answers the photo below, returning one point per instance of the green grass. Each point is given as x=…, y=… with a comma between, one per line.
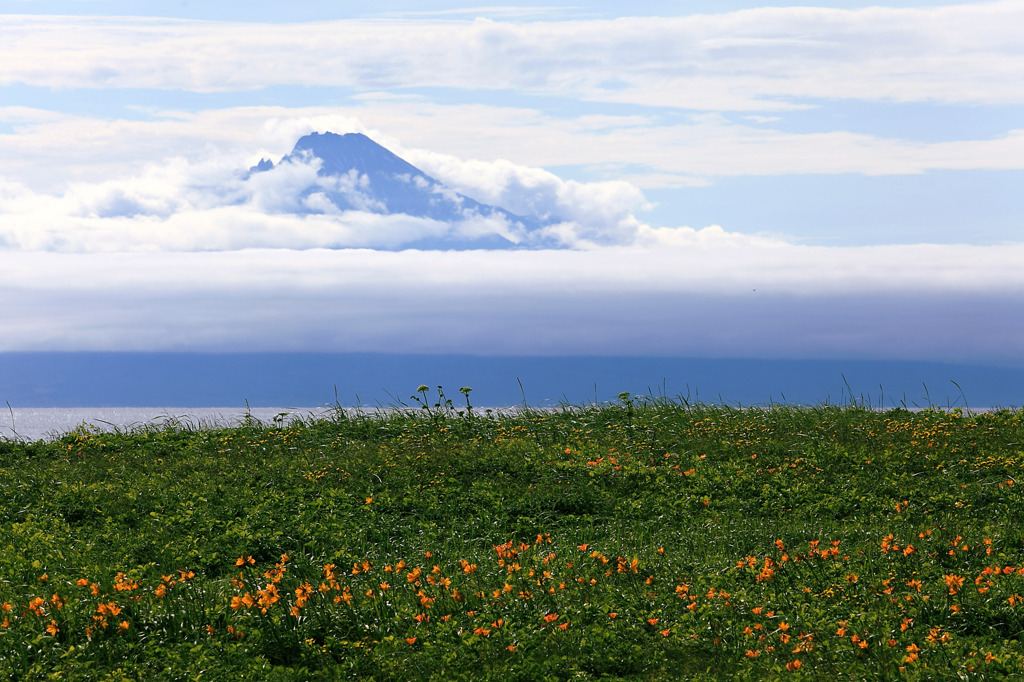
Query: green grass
x=648, y=540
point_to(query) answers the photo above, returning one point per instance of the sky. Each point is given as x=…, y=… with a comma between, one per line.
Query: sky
x=822, y=179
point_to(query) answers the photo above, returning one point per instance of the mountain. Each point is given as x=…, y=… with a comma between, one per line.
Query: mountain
x=358, y=174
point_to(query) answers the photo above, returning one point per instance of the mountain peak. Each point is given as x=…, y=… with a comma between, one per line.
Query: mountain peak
x=358, y=174
x=342, y=153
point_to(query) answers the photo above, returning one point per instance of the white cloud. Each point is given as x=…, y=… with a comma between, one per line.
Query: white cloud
x=208, y=206
x=49, y=152
x=758, y=60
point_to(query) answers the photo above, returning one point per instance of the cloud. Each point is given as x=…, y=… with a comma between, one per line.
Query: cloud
x=944, y=303
x=50, y=151
x=178, y=205
x=767, y=59
x=586, y=213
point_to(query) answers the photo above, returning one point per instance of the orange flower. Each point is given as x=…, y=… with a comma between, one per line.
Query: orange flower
x=551, y=618
x=82, y=582
x=36, y=605
x=52, y=628
x=666, y=632
x=410, y=640
x=653, y=621
x=793, y=666
x=953, y=582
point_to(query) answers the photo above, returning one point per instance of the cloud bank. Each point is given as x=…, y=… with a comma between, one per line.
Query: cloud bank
x=914, y=302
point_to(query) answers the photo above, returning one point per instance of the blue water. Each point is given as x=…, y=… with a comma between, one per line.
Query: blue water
x=123, y=389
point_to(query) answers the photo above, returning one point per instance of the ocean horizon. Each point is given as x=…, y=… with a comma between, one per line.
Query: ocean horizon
x=126, y=389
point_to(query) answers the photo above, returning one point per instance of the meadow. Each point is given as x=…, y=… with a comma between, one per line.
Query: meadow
x=651, y=539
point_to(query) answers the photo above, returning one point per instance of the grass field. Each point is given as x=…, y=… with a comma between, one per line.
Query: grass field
x=649, y=539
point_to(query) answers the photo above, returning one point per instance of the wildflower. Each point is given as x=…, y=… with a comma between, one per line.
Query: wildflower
x=666, y=632
x=653, y=621
x=82, y=582
x=123, y=625
x=953, y=582
x=43, y=578
x=613, y=614
x=36, y=605
x=753, y=654
x=793, y=666
x=410, y=640
x=551, y=618
x=52, y=628
x=511, y=647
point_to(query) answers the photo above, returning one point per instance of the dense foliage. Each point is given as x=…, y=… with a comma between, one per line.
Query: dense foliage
x=649, y=540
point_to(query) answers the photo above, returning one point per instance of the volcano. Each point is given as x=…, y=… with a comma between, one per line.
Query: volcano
x=357, y=174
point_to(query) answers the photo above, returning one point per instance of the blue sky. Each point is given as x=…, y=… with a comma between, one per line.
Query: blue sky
x=793, y=180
